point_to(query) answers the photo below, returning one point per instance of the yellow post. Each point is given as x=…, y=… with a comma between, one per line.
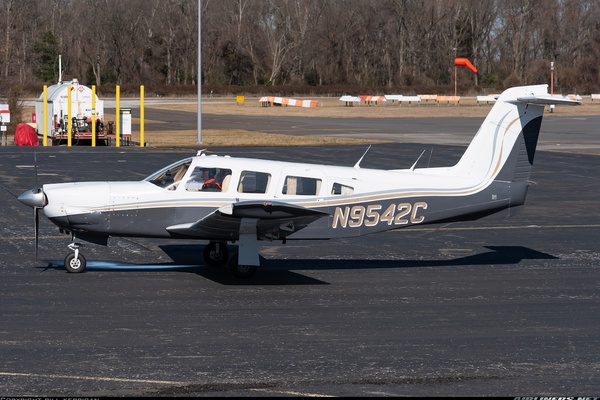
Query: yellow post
x=93, y=115
x=45, y=116
x=70, y=125
x=142, y=116
x=117, y=116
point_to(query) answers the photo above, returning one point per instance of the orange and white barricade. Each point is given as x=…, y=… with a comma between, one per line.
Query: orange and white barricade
x=370, y=100
x=267, y=101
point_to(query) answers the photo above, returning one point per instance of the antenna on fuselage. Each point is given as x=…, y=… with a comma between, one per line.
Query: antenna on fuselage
x=415, y=164
x=357, y=165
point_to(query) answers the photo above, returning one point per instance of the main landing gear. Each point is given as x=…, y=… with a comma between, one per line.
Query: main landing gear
x=241, y=271
x=243, y=265
x=75, y=262
x=216, y=254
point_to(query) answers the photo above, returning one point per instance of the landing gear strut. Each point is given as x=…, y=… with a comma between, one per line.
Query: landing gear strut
x=75, y=262
x=216, y=254
x=244, y=264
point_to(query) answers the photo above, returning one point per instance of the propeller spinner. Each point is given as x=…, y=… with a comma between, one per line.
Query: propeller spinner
x=34, y=198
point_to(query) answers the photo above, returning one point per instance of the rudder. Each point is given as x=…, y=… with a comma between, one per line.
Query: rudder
x=519, y=163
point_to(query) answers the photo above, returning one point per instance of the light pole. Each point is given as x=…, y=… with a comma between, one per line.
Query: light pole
x=455, y=85
x=551, y=77
x=199, y=79
x=551, y=83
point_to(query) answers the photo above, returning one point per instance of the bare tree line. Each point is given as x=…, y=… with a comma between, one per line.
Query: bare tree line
x=318, y=45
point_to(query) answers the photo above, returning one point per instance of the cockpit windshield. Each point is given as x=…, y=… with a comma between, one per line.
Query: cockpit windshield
x=170, y=176
x=203, y=178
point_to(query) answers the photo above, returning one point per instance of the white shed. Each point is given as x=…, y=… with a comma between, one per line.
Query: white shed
x=81, y=106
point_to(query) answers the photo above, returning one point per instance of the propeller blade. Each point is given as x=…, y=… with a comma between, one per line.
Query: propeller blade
x=36, y=207
x=37, y=185
x=36, y=228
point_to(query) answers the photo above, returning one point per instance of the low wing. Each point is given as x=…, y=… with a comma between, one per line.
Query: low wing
x=274, y=220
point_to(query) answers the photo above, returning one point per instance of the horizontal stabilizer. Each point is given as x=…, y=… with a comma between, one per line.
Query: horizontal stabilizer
x=548, y=100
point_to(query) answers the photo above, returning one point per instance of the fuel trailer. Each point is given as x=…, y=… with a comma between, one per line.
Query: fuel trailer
x=81, y=112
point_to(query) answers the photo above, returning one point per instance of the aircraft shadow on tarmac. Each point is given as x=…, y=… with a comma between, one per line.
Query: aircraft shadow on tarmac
x=281, y=272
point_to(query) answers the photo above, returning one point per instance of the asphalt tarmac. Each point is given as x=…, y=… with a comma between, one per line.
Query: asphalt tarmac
x=495, y=307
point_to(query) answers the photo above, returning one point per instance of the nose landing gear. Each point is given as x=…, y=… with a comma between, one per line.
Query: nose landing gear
x=75, y=262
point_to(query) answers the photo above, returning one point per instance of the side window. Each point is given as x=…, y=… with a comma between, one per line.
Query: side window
x=343, y=190
x=208, y=179
x=301, y=186
x=254, y=182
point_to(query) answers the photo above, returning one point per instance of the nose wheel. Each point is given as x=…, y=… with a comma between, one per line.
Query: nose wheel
x=75, y=262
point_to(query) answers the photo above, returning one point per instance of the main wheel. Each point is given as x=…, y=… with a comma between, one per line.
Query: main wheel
x=73, y=264
x=216, y=254
x=241, y=271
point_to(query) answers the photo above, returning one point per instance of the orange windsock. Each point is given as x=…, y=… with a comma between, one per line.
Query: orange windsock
x=463, y=62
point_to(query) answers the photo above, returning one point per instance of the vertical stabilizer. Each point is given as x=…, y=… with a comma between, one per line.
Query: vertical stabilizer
x=504, y=146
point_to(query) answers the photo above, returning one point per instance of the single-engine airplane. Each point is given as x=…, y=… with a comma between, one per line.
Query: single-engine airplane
x=225, y=199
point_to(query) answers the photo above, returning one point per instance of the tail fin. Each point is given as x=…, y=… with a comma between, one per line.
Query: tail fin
x=504, y=147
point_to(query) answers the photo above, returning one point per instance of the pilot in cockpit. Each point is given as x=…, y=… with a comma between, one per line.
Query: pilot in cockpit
x=212, y=183
x=197, y=179
x=203, y=179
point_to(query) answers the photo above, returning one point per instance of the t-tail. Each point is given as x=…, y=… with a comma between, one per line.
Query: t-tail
x=498, y=161
x=504, y=147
